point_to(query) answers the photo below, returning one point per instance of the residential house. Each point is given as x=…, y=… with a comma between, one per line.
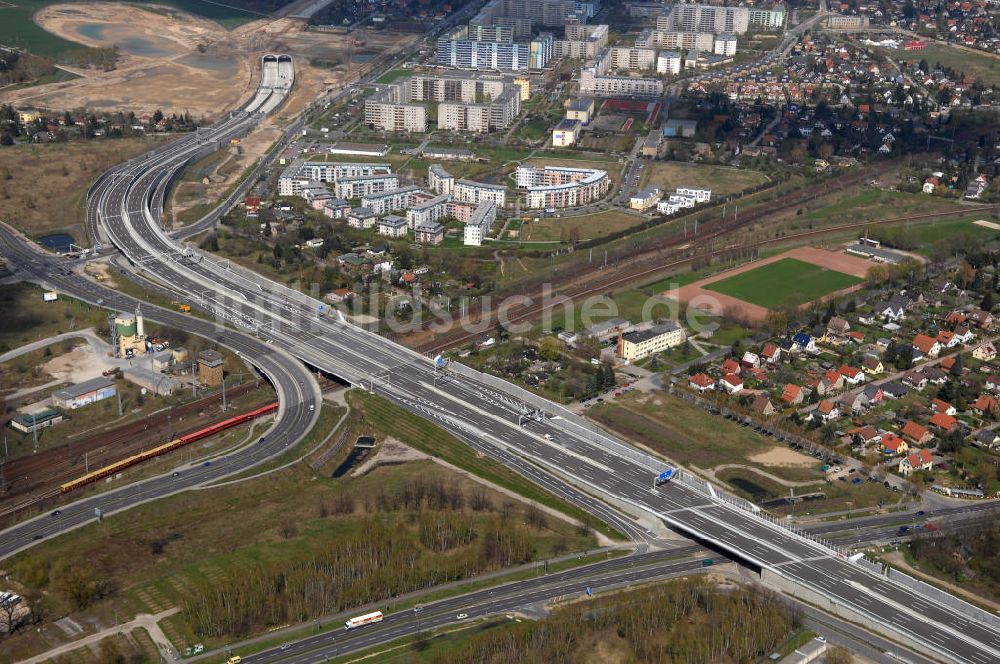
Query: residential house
x=926, y=346
x=964, y=334
x=837, y=327
x=852, y=375
x=750, y=360
x=867, y=435
x=832, y=381
x=874, y=394
x=936, y=375
x=872, y=364
x=985, y=405
x=892, y=310
x=732, y=383
x=948, y=339
x=993, y=383
x=826, y=410
x=792, y=394
x=771, y=353
x=701, y=382
x=893, y=444
x=856, y=336
x=731, y=366
x=918, y=433
x=939, y=406
x=985, y=353
x=986, y=438
x=856, y=402
x=981, y=318
x=921, y=460
x=762, y=406
x=804, y=342
x=915, y=379
x=944, y=421
x=893, y=389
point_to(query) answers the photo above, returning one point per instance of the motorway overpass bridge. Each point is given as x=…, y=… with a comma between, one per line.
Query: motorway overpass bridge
x=537, y=438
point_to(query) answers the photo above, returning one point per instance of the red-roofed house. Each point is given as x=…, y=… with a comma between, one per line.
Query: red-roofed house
x=940, y=406
x=927, y=346
x=943, y=421
x=771, y=353
x=833, y=381
x=732, y=383
x=866, y=435
x=985, y=353
x=701, y=382
x=852, y=375
x=826, y=410
x=922, y=460
x=917, y=432
x=993, y=383
x=731, y=366
x=986, y=404
x=792, y=394
x=893, y=444
x=947, y=339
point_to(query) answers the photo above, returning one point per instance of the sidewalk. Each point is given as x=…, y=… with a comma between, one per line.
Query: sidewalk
x=143, y=620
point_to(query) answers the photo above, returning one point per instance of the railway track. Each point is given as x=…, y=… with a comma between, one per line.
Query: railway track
x=647, y=271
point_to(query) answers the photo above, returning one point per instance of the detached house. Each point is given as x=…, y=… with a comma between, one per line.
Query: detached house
x=771, y=353
x=985, y=405
x=867, y=435
x=926, y=346
x=792, y=394
x=918, y=433
x=872, y=364
x=852, y=375
x=922, y=460
x=762, y=406
x=940, y=406
x=732, y=383
x=985, y=353
x=944, y=422
x=826, y=410
x=837, y=327
x=893, y=444
x=701, y=382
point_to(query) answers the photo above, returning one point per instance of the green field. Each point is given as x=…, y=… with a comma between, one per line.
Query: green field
x=19, y=30
x=770, y=285
x=393, y=75
x=979, y=65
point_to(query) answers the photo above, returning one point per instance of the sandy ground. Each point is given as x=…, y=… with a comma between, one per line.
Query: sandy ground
x=987, y=224
x=697, y=295
x=80, y=364
x=782, y=456
x=391, y=451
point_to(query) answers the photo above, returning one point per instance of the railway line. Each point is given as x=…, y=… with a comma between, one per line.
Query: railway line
x=646, y=271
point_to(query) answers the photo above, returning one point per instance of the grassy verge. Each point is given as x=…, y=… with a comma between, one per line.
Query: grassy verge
x=431, y=439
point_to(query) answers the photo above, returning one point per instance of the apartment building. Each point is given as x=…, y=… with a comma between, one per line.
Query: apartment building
x=459, y=51
x=427, y=211
x=638, y=344
x=385, y=202
x=631, y=59
x=390, y=109
x=705, y=18
x=439, y=180
x=523, y=14
x=461, y=210
x=481, y=118
x=429, y=233
x=668, y=62
x=479, y=224
x=674, y=39
x=769, y=19
x=365, y=185
x=301, y=175
x=612, y=86
x=393, y=226
x=478, y=103
x=725, y=45
x=480, y=192
x=582, y=41
x=561, y=187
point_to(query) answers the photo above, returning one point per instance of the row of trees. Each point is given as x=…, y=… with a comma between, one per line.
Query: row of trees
x=682, y=621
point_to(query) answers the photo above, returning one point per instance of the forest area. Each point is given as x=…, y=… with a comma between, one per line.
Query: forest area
x=689, y=620
x=965, y=553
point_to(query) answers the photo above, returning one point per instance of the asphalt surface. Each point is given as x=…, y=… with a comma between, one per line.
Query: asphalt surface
x=492, y=419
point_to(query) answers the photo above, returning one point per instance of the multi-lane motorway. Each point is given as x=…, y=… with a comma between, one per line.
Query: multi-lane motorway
x=554, y=448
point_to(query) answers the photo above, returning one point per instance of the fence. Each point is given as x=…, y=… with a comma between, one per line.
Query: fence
x=945, y=598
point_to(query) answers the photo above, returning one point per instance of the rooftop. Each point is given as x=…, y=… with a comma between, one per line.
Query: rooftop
x=639, y=336
x=87, y=386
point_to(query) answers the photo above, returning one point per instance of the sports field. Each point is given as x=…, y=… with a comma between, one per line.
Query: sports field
x=770, y=285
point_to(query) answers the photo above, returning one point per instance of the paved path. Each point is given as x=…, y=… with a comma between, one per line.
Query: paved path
x=99, y=345
x=143, y=620
x=759, y=471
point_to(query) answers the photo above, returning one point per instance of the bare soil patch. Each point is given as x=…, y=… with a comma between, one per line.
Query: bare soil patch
x=782, y=456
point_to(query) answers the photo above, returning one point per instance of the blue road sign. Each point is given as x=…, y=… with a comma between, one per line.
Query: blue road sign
x=665, y=475
x=320, y=308
x=439, y=361
x=590, y=591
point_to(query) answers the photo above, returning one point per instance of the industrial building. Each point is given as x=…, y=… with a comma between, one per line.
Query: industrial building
x=638, y=344
x=580, y=109
x=32, y=422
x=566, y=133
x=84, y=394
x=128, y=334
x=561, y=187
x=210, y=365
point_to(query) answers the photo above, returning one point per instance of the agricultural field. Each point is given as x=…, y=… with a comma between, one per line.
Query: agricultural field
x=68, y=168
x=722, y=180
x=770, y=285
x=18, y=29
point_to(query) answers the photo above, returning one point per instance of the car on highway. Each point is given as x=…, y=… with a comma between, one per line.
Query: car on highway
x=548, y=436
x=418, y=608
x=462, y=616
x=56, y=512
x=285, y=646
x=921, y=513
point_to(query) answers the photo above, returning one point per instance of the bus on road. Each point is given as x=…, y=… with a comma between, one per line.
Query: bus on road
x=366, y=619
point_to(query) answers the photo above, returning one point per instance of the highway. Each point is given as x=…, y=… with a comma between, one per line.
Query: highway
x=496, y=419
x=292, y=381
x=538, y=439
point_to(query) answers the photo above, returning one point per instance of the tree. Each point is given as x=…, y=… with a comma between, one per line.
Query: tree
x=957, y=366
x=157, y=116
x=776, y=321
x=839, y=655
x=987, y=303
x=876, y=274
x=550, y=349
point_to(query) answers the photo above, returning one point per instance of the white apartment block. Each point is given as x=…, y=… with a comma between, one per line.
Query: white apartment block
x=700, y=195
x=632, y=59
x=561, y=187
x=673, y=39
x=582, y=42
x=705, y=18
x=393, y=199
x=472, y=102
x=610, y=86
x=365, y=185
x=668, y=62
x=427, y=211
x=392, y=226
x=773, y=19
x=480, y=224
x=439, y=180
x=300, y=175
x=469, y=191
x=725, y=45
